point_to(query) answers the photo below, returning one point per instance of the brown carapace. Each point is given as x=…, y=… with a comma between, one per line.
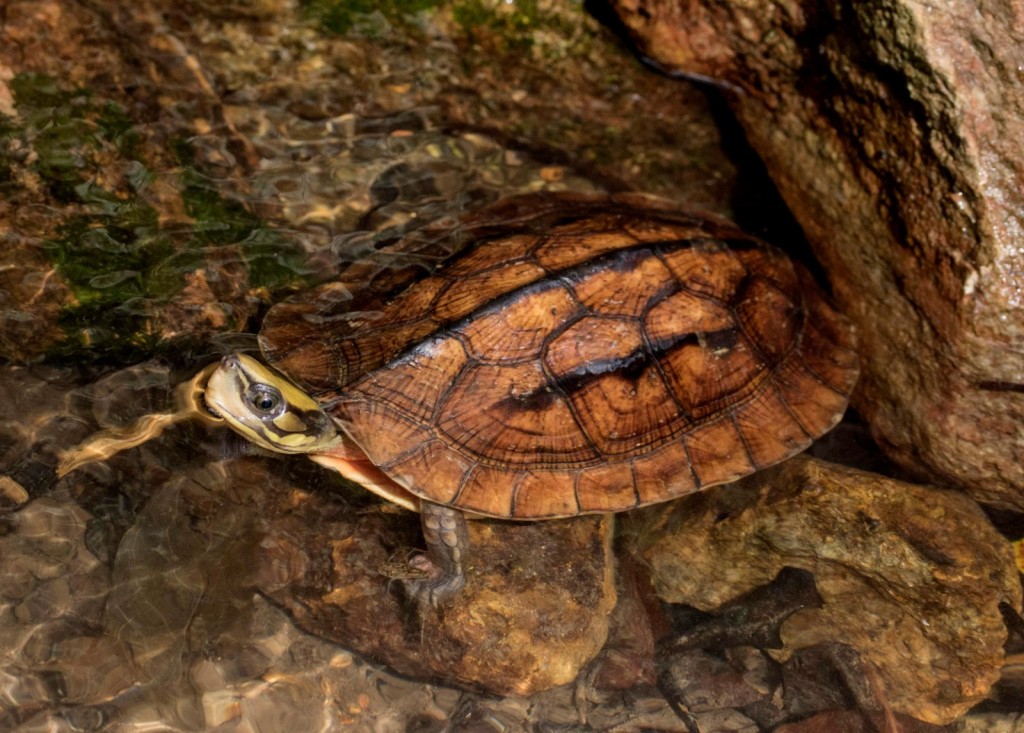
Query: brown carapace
x=584, y=354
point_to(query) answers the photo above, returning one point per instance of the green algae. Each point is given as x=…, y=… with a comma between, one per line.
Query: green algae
x=59, y=127
x=274, y=262
x=358, y=16
x=121, y=264
x=511, y=26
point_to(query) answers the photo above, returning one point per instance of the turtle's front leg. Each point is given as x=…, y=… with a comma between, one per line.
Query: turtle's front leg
x=447, y=538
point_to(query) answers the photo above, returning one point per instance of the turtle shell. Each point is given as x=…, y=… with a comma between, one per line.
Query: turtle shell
x=582, y=354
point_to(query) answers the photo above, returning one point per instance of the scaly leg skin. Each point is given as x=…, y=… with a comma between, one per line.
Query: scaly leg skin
x=447, y=538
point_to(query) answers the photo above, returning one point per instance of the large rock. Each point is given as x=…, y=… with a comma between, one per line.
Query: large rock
x=895, y=132
x=911, y=577
x=534, y=612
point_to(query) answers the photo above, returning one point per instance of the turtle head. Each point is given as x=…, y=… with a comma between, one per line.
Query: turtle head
x=268, y=409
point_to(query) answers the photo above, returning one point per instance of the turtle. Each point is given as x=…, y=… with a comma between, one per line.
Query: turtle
x=576, y=354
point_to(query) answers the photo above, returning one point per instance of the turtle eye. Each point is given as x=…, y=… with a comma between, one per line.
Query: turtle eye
x=265, y=399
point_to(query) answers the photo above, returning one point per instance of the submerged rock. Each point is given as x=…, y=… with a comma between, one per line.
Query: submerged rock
x=911, y=577
x=534, y=611
x=849, y=721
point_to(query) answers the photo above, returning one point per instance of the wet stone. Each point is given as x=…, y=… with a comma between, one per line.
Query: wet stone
x=850, y=721
x=534, y=610
x=627, y=659
x=706, y=682
x=1009, y=722
x=910, y=577
x=92, y=669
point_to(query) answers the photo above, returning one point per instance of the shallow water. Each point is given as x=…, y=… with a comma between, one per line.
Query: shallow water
x=167, y=172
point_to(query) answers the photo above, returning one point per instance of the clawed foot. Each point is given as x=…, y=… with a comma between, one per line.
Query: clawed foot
x=440, y=568
x=432, y=586
x=433, y=577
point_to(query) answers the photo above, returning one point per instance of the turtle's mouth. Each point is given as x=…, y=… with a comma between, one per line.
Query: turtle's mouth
x=202, y=404
x=191, y=397
x=219, y=389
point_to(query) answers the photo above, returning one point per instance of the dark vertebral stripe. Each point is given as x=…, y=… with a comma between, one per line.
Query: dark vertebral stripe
x=621, y=260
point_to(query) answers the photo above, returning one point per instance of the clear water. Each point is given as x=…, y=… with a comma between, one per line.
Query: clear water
x=169, y=171
x=166, y=173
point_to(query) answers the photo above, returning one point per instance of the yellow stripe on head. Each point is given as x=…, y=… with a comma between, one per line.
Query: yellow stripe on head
x=266, y=408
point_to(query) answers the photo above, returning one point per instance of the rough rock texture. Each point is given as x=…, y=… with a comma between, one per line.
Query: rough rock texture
x=911, y=577
x=535, y=609
x=893, y=130
x=851, y=721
